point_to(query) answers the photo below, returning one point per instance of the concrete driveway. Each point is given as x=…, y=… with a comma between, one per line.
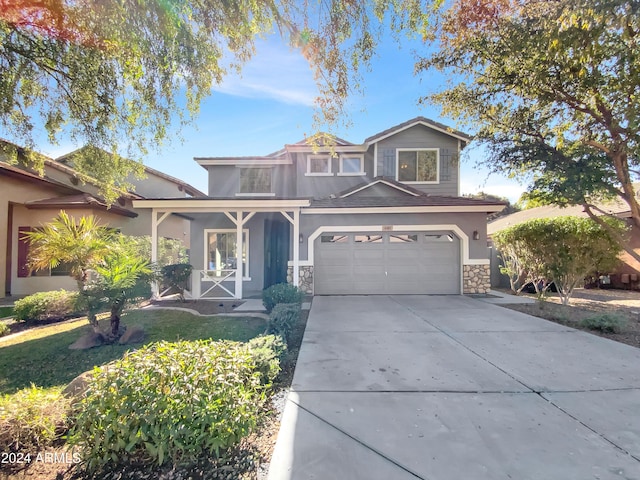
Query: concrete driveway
x=450, y=387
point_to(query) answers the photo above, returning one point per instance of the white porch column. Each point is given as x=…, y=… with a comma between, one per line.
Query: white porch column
x=154, y=248
x=296, y=247
x=155, y=221
x=239, y=247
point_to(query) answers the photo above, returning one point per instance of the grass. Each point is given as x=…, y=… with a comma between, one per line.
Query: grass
x=6, y=312
x=42, y=357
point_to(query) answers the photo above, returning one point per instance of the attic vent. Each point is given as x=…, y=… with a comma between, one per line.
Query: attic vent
x=73, y=179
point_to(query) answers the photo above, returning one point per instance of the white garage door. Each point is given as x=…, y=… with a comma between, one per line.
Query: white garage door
x=387, y=263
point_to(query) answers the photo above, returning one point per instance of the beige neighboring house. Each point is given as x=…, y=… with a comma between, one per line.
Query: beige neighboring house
x=627, y=275
x=28, y=200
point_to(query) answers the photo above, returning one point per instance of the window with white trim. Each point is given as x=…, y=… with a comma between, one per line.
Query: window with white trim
x=255, y=180
x=319, y=165
x=351, y=165
x=418, y=165
x=221, y=248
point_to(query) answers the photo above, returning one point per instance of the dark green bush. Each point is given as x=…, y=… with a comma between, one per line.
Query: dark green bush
x=281, y=293
x=282, y=319
x=267, y=351
x=176, y=276
x=605, y=322
x=32, y=418
x=54, y=305
x=169, y=403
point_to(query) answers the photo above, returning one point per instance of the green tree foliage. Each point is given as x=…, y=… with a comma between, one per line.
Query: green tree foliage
x=115, y=74
x=564, y=250
x=122, y=277
x=106, y=265
x=509, y=208
x=552, y=87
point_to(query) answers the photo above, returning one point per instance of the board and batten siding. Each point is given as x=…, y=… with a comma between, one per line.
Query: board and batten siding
x=420, y=136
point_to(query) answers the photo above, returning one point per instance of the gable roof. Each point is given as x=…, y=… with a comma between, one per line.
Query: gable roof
x=26, y=175
x=63, y=161
x=323, y=137
x=81, y=200
x=418, y=121
x=385, y=181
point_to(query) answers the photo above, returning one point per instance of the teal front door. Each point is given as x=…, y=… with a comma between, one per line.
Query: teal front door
x=277, y=237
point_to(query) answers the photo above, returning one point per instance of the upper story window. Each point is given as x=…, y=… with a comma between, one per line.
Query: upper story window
x=255, y=181
x=319, y=165
x=418, y=165
x=351, y=165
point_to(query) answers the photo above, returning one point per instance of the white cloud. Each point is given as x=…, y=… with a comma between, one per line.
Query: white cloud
x=275, y=72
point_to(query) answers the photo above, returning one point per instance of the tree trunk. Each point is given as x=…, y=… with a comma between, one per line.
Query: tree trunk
x=115, y=320
x=623, y=242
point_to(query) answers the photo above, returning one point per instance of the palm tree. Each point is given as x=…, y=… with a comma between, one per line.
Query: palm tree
x=80, y=245
x=122, y=277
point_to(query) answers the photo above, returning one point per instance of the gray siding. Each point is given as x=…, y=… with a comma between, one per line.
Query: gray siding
x=420, y=136
x=224, y=181
x=324, y=186
x=468, y=222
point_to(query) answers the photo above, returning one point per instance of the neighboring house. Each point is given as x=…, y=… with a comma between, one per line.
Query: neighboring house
x=29, y=200
x=627, y=275
x=380, y=217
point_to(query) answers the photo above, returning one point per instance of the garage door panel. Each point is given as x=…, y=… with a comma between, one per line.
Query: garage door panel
x=411, y=263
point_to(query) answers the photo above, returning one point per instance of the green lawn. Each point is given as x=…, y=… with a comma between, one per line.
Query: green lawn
x=6, y=312
x=42, y=356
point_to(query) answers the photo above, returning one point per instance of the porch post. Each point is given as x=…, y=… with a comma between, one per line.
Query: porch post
x=154, y=248
x=239, y=247
x=296, y=247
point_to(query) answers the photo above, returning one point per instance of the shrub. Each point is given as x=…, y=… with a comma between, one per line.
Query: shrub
x=54, y=305
x=605, y=322
x=281, y=293
x=282, y=319
x=32, y=418
x=175, y=277
x=169, y=402
x=266, y=352
x=4, y=329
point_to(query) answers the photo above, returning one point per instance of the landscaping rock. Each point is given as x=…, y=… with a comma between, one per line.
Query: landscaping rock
x=90, y=340
x=132, y=335
x=78, y=386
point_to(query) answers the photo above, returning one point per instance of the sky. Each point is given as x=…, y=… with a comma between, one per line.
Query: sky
x=271, y=104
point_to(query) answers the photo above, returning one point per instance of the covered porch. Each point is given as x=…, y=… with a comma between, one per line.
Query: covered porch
x=221, y=277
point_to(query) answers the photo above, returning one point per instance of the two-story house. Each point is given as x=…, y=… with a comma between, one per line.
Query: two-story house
x=380, y=217
x=28, y=200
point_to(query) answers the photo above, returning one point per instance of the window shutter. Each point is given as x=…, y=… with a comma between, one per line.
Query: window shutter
x=388, y=163
x=23, y=252
x=445, y=165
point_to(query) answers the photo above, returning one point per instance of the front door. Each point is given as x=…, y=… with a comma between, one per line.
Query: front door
x=277, y=236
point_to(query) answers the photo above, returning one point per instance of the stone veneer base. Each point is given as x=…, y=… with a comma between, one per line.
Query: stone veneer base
x=476, y=278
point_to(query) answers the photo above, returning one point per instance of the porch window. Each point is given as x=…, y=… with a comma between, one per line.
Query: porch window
x=255, y=180
x=418, y=166
x=221, y=249
x=319, y=165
